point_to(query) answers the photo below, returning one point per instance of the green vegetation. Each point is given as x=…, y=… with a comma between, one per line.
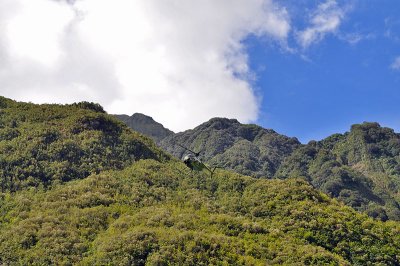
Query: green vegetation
x=41, y=145
x=160, y=213
x=246, y=149
x=361, y=168
x=125, y=202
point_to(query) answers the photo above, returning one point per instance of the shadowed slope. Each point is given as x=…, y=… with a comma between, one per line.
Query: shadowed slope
x=146, y=125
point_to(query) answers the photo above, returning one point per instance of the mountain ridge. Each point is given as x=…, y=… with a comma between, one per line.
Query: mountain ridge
x=220, y=136
x=361, y=164
x=145, y=125
x=150, y=209
x=360, y=167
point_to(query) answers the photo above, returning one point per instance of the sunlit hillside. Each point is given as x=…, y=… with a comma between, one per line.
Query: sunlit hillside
x=143, y=208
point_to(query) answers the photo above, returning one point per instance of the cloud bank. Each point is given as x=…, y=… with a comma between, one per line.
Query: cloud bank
x=181, y=62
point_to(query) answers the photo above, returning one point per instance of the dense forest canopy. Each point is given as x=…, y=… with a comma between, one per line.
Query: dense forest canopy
x=247, y=149
x=45, y=144
x=126, y=202
x=156, y=213
x=360, y=167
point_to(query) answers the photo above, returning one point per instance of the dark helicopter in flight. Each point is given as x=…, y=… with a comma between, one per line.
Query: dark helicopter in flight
x=192, y=161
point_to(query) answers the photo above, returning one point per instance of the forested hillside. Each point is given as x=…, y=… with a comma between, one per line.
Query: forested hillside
x=80, y=188
x=45, y=144
x=247, y=149
x=156, y=213
x=360, y=167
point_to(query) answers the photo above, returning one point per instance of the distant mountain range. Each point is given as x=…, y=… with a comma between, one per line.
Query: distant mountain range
x=360, y=167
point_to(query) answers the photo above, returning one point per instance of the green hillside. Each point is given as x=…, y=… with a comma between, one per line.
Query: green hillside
x=80, y=188
x=247, y=149
x=155, y=213
x=360, y=167
x=45, y=144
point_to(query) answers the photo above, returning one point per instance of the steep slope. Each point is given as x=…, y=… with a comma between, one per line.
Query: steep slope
x=247, y=149
x=360, y=167
x=118, y=210
x=146, y=125
x=46, y=144
x=156, y=213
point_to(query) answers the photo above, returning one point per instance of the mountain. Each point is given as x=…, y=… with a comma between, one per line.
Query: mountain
x=360, y=167
x=247, y=149
x=128, y=203
x=146, y=125
x=42, y=145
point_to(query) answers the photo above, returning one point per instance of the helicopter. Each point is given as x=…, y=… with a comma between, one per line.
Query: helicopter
x=193, y=162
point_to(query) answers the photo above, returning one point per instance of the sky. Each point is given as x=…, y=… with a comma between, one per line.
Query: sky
x=305, y=68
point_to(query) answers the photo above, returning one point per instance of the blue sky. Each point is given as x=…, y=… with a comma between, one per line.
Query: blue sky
x=334, y=83
x=305, y=68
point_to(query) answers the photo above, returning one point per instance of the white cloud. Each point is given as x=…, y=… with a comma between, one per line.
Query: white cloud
x=181, y=62
x=325, y=19
x=44, y=59
x=31, y=36
x=396, y=64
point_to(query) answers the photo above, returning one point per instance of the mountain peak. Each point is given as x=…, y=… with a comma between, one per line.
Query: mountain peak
x=143, y=117
x=146, y=125
x=372, y=132
x=218, y=123
x=246, y=148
